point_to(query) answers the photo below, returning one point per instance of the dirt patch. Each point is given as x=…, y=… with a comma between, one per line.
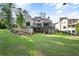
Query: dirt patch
x=20, y=31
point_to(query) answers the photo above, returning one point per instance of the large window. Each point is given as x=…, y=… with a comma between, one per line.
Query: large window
x=45, y=24
x=27, y=23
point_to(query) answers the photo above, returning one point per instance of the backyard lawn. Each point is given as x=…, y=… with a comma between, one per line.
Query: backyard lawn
x=38, y=44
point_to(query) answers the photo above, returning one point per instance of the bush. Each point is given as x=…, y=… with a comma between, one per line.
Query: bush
x=77, y=28
x=2, y=26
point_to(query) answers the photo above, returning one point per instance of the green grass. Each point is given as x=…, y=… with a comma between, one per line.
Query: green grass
x=38, y=44
x=61, y=33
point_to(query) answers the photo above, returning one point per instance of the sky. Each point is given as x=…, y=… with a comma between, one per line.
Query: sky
x=53, y=10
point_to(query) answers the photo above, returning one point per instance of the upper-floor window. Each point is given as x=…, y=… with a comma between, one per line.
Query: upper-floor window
x=63, y=22
x=74, y=21
x=38, y=20
x=69, y=22
x=45, y=24
x=73, y=26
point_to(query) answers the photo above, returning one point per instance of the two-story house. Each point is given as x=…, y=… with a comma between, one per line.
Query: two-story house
x=67, y=24
x=72, y=25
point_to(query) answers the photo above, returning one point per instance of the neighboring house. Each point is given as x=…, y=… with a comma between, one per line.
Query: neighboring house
x=39, y=24
x=72, y=25
x=67, y=24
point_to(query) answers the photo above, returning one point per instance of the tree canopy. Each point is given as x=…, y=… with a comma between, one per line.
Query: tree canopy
x=7, y=13
x=20, y=19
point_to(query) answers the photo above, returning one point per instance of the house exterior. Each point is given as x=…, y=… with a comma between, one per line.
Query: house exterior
x=67, y=25
x=35, y=24
x=39, y=24
x=72, y=25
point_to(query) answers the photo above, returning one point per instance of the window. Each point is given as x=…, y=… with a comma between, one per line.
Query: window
x=38, y=20
x=45, y=24
x=73, y=21
x=27, y=23
x=73, y=31
x=64, y=27
x=38, y=24
x=73, y=26
x=70, y=22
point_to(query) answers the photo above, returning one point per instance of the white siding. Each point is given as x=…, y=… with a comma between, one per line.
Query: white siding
x=57, y=26
x=71, y=30
x=64, y=24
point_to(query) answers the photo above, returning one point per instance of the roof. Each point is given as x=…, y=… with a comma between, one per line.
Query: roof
x=69, y=18
x=56, y=23
x=36, y=17
x=73, y=19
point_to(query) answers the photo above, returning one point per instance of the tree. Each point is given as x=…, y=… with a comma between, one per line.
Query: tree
x=7, y=11
x=20, y=18
x=77, y=28
x=3, y=24
x=2, y=18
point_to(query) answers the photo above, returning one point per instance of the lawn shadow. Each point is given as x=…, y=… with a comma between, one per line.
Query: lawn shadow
x=61, y=45
x=16, y=45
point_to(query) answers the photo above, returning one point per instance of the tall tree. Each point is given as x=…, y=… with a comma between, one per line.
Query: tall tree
x=20, y=18
x=3, y=21
x=7, y=10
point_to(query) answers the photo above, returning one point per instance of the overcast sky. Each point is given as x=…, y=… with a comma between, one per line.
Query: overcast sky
x=53, y=10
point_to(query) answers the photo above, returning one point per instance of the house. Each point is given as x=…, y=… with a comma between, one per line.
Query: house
x=35, y=24
x=72, y=25
x=39, y=24
x=67, y=25
x=63, y=24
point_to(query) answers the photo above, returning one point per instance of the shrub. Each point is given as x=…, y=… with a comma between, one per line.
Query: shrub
x=77, y=27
